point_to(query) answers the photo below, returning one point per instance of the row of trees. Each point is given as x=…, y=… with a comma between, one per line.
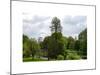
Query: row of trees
x=30, y=47
x=65, y=46
x=56, y=46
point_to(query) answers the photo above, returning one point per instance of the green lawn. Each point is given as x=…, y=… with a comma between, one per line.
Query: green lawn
x=29, y=59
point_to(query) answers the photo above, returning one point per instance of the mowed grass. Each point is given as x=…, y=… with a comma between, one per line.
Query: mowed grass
x=29, y=59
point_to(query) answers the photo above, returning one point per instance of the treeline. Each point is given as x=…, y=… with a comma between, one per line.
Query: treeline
x=56, y=46
x=66, y=47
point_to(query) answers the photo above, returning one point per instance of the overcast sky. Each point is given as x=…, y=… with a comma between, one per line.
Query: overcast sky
x=39, y=26
x=36, y=18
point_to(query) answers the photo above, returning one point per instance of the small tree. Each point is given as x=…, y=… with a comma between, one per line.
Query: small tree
x=34, y=47
x=26, y=46
x=71, y=43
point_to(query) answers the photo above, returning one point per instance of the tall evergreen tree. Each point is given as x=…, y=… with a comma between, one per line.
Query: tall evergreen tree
x=56, y=25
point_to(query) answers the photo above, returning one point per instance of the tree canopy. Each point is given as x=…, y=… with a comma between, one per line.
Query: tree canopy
x=56, y=46
x=55, y=25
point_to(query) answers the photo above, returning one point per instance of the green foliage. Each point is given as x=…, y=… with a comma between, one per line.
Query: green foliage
x=56, y=26
x=71, y=43
x=73, y=56
x=77, y=45
x=30, y=47
x=46, y=41
x=60, y=57
x=55, y=46
x=26, y=46
x=30, y=59
x=57, y=35
x=54, y=43
x=34, y=47
x=83, y=42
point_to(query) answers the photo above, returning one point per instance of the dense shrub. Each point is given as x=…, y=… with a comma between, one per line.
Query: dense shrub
x=60, y=57
x=73, y=56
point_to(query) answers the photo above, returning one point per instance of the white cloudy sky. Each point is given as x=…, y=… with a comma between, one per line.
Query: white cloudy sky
x=38, y=25
x=37, y=18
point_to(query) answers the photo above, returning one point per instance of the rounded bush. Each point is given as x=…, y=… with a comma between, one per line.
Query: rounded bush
x=73, y=56
x=60, y=57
